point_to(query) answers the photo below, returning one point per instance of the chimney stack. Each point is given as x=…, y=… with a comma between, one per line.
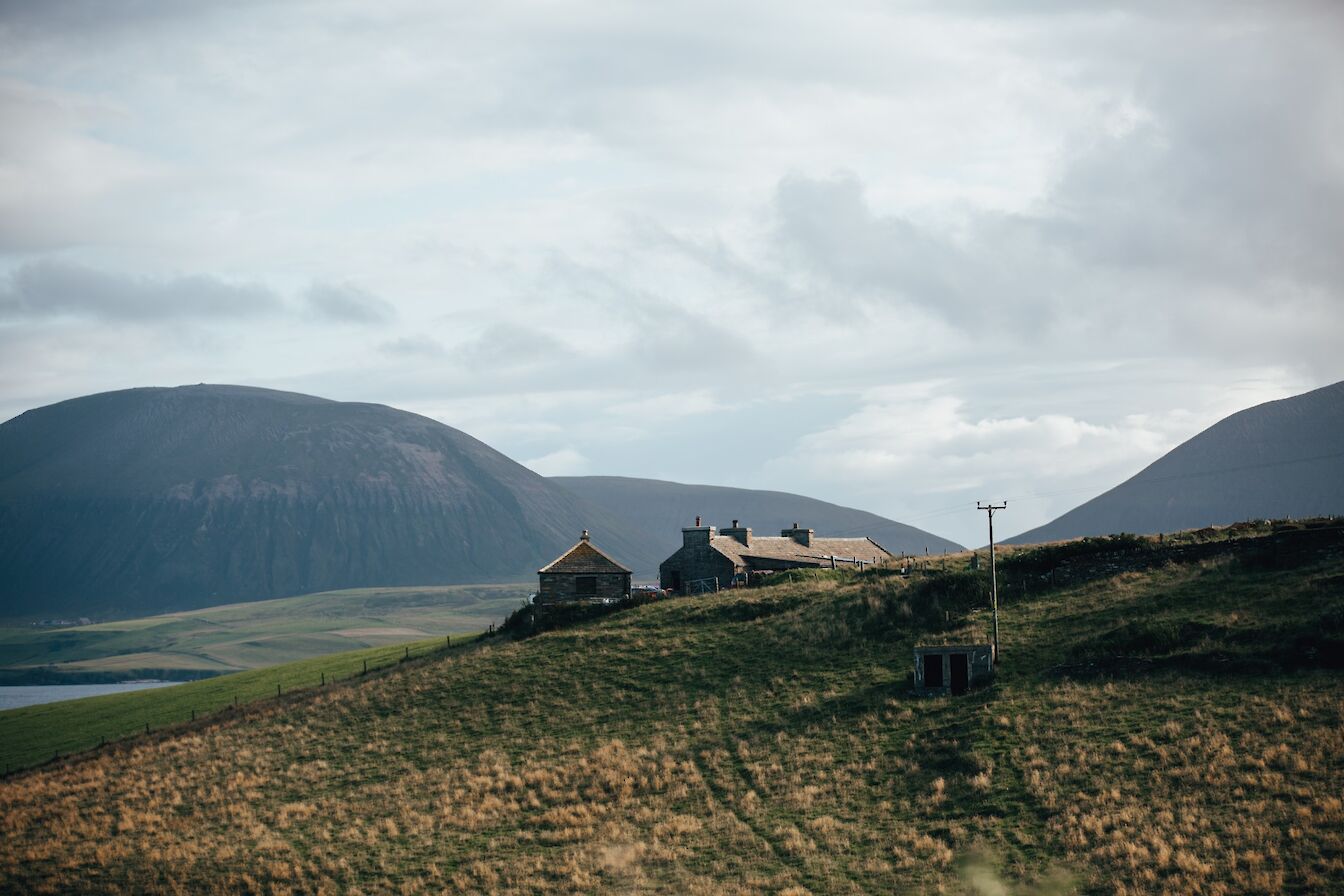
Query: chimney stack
x=741, y=533
x=697, y=534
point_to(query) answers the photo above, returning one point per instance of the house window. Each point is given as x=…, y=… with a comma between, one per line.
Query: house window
x=585, y=586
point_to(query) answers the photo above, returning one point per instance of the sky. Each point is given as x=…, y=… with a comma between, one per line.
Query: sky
x=899, y=256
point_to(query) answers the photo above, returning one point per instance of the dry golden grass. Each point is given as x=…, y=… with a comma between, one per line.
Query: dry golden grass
x=736, y=745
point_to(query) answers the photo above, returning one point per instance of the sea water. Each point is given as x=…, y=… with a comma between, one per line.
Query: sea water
x=31, y=695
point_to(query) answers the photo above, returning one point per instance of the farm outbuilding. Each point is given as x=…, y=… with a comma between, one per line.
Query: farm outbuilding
x=709, y=560
x=583, y=573
x=952, y=669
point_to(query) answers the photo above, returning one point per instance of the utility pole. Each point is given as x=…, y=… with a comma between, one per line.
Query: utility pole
x=993, y=574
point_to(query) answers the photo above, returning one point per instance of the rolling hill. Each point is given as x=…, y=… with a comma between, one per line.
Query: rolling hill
x=159, y=500
x=662, y=508
x=1278, y=459
x=1172, y=729
x=163, y=499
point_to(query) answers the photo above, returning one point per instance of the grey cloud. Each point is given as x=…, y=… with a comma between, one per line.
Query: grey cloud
x=661, y=324
x=48, y=288
x=347, y=303
x=1234, y=175
x=996, y=272
x=511, y=346
x=828, y=226
x=413, y=346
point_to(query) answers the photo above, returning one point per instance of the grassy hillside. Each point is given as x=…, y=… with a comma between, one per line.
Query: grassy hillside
x=250, y=635
x=1174, y=729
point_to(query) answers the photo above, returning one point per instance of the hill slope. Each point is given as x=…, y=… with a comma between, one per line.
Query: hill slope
x=764, y=742
x=662, y=508
x=1279, y=459
x=148, y=500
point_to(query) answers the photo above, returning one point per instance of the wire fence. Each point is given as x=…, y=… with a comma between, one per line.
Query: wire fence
x=288, y=686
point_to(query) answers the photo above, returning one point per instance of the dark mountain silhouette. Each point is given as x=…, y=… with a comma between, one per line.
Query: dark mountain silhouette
x=1279, y=459
x=662, y=508
x=157, y=499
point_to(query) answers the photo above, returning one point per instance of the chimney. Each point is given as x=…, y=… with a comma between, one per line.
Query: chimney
x=741, y=534
x=697, y=534
x=802, y=536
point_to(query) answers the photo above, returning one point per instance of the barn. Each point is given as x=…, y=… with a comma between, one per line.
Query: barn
x=582, y=573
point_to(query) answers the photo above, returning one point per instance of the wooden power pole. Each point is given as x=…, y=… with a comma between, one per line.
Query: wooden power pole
x=993, y=573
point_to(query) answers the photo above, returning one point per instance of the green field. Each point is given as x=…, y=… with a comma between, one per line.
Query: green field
x=253, y=635
x=33, y=734
x=1177, y=729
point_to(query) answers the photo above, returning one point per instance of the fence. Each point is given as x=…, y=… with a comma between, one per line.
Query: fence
x=288, y=685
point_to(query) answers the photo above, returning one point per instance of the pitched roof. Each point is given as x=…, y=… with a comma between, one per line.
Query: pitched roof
x=583, y=558
x=783, y=548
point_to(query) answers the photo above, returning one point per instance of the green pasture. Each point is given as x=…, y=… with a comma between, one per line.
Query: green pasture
x=250, y=635
x=34, y=734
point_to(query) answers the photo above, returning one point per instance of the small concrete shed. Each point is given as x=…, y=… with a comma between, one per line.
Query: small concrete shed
x=952, y=669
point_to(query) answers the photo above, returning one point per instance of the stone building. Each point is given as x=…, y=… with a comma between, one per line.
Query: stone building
x=583, y=573
x=709, y=560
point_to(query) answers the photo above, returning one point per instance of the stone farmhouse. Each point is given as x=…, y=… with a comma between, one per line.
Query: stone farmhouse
x=583, y=573
x=709, y=560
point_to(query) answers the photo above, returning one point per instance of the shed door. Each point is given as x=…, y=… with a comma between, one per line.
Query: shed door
x=961, y=673
x=933, y=670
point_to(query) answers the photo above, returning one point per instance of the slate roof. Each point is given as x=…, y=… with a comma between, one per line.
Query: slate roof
x=783, y=548
x=583, y=559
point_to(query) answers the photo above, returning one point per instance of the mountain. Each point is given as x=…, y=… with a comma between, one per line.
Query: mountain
x=157, y=499
x=662, y=508
x=1278, y=459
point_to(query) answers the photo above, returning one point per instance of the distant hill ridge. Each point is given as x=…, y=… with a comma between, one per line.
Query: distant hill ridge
x=157, y=499
x=1279, y=459
x=662, y=508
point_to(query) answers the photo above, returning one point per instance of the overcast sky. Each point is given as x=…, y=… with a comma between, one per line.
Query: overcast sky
x=897, y=256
